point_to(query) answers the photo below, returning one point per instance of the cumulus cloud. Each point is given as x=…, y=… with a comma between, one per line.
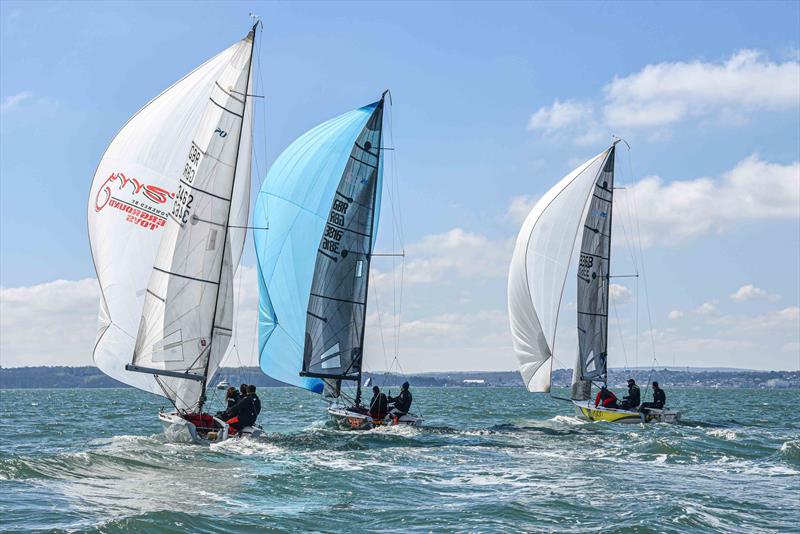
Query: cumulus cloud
x=55, y=323
x=674, y=315
x=14, y=102
x=707, y=308
x=47, y=323
x=560, y=115
x=672, y=91
x=751, y=292
x=519, y=207
x=676, y=211
x=666, y=93
x=457, y=254
x=620, y=294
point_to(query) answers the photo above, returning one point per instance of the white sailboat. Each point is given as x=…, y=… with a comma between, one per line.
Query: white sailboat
x=580, y=204
x=167, y=217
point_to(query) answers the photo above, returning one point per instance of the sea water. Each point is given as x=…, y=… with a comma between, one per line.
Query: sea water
x=488, y=460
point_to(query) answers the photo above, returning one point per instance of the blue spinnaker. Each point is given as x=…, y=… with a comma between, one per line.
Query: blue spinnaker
x=290, y=216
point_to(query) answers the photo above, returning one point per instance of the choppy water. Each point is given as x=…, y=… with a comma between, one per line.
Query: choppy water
x=490, y=460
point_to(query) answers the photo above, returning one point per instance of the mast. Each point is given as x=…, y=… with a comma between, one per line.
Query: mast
x=201, y=401
x=379, y=148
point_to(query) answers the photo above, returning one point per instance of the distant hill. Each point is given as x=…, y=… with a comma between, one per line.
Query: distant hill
x=92, y=377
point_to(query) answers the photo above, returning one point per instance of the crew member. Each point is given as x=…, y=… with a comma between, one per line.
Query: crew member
x=245, y=412
x=659, y=398
x=634, y=396
x=251, y=390
x=402, y=403
x=605, y=397
x=377, y=406
x=231, y=397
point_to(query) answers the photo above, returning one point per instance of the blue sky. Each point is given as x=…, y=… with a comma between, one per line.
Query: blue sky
x=493, y=103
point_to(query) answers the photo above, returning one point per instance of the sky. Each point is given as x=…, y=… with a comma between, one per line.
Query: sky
x=492, y=103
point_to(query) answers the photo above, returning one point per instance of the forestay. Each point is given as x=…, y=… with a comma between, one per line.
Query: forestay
x=130, y=200
x=320, y=202
x=187, y=319
x=538, y=271
x=593, y=283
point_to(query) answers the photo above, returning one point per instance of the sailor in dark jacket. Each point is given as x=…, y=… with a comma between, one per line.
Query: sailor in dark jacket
x=634, y=396
x=378, y=404
x=251, y=390
x=402, y=403
x=659, y=398
x=245, y=412
x=231, y=397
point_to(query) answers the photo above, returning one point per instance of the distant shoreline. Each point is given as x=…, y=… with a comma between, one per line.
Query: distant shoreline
x=88, y=377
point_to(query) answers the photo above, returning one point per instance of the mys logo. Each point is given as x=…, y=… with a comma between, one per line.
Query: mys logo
x=155, y=194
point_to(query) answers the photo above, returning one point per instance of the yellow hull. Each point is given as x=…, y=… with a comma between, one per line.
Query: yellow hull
x=588, y=411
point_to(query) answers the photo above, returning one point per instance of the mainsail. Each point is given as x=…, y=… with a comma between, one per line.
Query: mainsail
x=321, y=203
x=162, y=222
x=539, y=268
x=593, y=284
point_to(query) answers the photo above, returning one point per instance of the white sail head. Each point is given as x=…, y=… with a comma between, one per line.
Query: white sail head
x=538, y=271
x=131, y=194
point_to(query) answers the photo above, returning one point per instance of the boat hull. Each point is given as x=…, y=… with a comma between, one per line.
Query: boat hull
x=586, y=410
x=347, y=419
x=179, y=430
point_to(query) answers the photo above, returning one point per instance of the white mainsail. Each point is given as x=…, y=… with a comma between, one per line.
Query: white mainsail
x=539, y=268
x=136, y=188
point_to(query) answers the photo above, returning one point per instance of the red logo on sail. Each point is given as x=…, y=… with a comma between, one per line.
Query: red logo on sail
x=139, y=206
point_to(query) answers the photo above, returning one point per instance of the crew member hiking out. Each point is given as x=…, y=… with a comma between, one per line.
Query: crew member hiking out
x=605, y=397
x=402, y=403
x=251, y=390
x=659, y=398
x=244, y=413
x=377, y=406
x=634, y=396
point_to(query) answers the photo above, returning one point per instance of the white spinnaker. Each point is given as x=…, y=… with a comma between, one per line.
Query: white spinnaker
x=538, y=270
x=187, y=320
x=130, y=197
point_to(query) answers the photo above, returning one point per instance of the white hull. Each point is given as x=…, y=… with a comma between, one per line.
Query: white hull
x=586, y=410
x=347, y=419
x=179, y=430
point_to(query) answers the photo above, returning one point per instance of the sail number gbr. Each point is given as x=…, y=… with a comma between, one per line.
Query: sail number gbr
x=585, y=263
x=331, y=239
x=183, y=198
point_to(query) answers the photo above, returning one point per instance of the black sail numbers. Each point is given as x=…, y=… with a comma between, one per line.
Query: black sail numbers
x=337, y=303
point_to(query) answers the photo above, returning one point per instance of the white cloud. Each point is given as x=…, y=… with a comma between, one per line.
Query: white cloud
x=751, y=292
x=456, y=254
x=707, y=308
x=48, y=324
x=676, y=211
x=666, y=93
x=520, y=207
x=670, y=92
x=56, y=323
x=13, y=102
x=675, y=314
x=620, y=294
x=560, y=115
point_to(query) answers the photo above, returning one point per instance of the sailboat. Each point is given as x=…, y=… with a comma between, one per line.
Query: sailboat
x=316, y=218
x=580, y=204
x=167, y=217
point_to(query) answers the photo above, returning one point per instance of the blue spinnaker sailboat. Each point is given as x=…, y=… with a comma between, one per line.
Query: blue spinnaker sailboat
x=316, y=217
